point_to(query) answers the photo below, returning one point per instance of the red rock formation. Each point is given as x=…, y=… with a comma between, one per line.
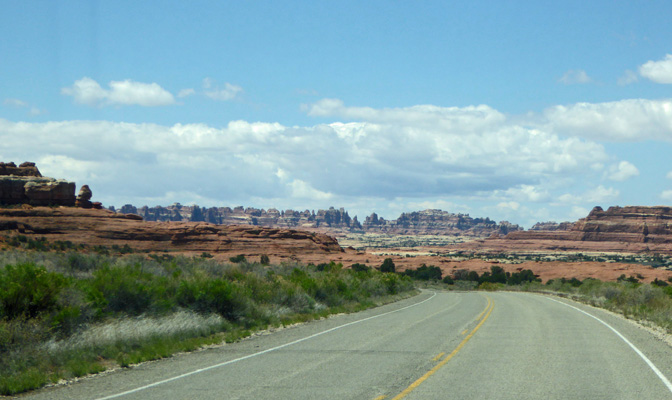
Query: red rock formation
x=25, y=169
x=332, y=221
x=25, y=185
x=84, y=197
x=103, y=227
x=619, y=229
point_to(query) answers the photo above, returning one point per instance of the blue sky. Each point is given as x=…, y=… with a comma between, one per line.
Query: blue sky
x=519, y=111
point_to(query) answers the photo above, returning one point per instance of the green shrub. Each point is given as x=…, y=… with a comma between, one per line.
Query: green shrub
x=240, y=258
x=28, y=290
x=57, y=328
x=121, y=289
x=387, y=265
x=424, y=273
x=523, y=276
x=211, y=295
x=357, y=267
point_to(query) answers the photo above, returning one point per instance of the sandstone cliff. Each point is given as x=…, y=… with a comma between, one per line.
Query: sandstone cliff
x=94, y=227
x=618, y=229
x=26, y=185
x=427, y=222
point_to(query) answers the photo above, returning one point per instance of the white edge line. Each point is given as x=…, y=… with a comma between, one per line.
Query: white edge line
x=645, y=358
x=113, y=396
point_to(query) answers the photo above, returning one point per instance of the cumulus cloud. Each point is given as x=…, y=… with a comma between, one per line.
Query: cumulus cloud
x=575, y=76
x=215, y=92
x=625, y=120
x=301, y=189
x=666, y=195
x=413, y=153
x=89, y=92
x=426, y=116
x=658, y=71
x=623, y=171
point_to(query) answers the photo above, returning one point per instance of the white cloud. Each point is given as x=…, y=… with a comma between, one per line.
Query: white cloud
x=669, y=175
x=509, y=206
x=228, y=92
x=301, y=189
x=575, y=76
x=526, y=193
x=87, y=91
x=418, y=152
x=426, y=116
x=625, y=120
x=186, y=93
x=627, y=78
x=599, y=194
x=623, y=171
x=578, y=212
x=666, y=195
x=658, y=71
x=22, y=104
x=14, y=103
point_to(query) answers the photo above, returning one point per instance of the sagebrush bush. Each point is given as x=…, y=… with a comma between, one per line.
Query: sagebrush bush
x=63, y=314
x=28, y=290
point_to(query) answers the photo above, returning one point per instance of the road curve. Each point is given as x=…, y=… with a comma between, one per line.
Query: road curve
x=462, y=345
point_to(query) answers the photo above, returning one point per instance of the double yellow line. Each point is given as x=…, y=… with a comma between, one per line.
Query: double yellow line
x=481, y=318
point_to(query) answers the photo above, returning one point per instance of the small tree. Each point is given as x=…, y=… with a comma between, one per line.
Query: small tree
x=240, y=258
x=264, y=260
x=360, y=267
x=387, y=266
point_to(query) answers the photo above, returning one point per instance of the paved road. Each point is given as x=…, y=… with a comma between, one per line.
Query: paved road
x=434, y=346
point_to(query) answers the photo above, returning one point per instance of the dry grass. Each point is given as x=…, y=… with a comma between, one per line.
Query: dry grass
x=183, y=323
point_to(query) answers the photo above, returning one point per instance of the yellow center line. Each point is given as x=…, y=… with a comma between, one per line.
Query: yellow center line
x=419, y=381
x=381, y=397
x=438, y=356
x=464, y=332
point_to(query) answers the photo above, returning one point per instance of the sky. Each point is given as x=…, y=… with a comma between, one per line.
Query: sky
x=523, y=111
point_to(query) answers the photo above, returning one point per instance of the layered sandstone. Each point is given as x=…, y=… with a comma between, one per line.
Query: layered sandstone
x=26, y=185
x=618, y=229
x=94, y=227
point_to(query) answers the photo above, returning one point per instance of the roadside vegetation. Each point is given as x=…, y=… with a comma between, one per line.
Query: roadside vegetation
x=644, y=302
x=69, y=310
x=65, y=313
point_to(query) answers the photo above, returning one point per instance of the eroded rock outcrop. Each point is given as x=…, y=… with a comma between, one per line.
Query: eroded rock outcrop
x=618, y=229
x=427, y=222
x=438, y=222
x=26, y=185
x=84, y=197
x=93, y=227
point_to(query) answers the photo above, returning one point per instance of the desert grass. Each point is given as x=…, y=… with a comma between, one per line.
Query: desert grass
x=67, y=314
x=649, y=304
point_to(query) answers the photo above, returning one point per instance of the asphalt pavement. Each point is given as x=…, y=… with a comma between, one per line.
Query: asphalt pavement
x=444, y=345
